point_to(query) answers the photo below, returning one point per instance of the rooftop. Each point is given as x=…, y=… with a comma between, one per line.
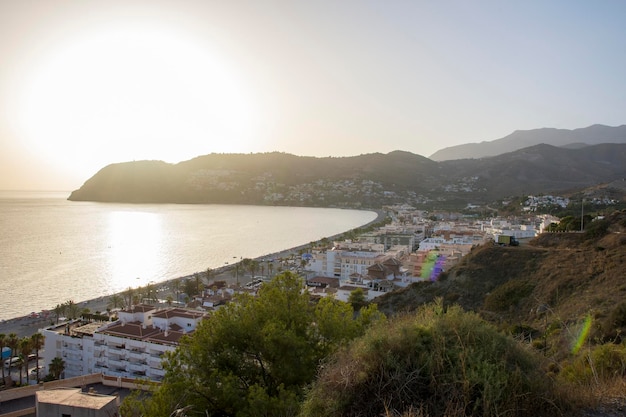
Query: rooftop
x=178, y=312
x=73, y=397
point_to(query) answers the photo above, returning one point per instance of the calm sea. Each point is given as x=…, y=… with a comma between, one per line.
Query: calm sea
x=53, y=250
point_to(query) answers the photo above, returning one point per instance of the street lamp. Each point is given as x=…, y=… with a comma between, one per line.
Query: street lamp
x=582, y=211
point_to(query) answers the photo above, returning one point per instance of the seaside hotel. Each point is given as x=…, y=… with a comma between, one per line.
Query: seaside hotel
x=130, y=347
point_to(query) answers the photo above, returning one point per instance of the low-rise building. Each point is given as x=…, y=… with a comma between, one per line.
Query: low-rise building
x=73, y=402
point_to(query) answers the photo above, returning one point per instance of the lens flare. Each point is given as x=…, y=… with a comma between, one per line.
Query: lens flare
x=582, y=336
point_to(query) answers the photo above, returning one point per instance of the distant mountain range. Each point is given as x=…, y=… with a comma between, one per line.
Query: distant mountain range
x=369, y=180
x=577, y=138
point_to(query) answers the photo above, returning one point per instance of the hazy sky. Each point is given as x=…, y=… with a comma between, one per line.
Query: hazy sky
x=87, y=83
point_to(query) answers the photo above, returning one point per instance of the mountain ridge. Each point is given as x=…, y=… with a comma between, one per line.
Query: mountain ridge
x=591, y=135
x=367, y=180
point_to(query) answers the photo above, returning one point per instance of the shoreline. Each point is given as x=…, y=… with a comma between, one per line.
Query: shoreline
x=26, y=325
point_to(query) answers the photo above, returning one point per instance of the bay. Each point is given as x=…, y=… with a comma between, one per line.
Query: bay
x=53, y=250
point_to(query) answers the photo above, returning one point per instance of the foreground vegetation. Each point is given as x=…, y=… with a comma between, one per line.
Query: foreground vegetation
x=255, y=356
x=527, y=331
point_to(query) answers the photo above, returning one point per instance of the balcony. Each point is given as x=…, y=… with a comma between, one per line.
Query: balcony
x=155, y=364
x=116, y=363
x=136, y=354
x=117, y=349
x=137, y=367
x=156, y=374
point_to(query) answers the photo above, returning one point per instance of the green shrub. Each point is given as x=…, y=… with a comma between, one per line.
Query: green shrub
x=601, y=363
x=508, y=294
x=441, y=362
x=597, y=229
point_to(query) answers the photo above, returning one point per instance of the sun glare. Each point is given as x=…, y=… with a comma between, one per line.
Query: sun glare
x=135, y=93
x=134, y=240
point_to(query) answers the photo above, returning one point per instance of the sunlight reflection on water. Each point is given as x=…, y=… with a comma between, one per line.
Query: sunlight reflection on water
x=53, y=250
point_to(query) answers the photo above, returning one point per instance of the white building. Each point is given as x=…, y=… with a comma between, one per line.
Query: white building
x=341, y=264
x=131, y=347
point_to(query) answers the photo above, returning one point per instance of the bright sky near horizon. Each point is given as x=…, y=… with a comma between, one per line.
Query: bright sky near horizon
x=87, y=83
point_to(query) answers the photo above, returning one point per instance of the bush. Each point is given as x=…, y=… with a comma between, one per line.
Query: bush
x=597, y=229
x=440, y=362
x=508, y=295
x=601, y=363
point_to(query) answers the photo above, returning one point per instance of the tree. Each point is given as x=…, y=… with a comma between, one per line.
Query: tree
x=129, y=297
x=256, y=355
x=253, y=266
x=176, y=288
x=115, y=301
x=209, y=275
x=236, y=270
x=71, y=309
x=13, y=343
x=56, y=368
x=25, y=348
x=190, y=288
x=59, y=310
x=37, y=340
x=357, y=299
x=150, y=294
x=198, y=281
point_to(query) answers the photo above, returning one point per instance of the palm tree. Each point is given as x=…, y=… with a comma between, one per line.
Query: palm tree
x=115, y=301
x=12, y=343
x=236, y=270
x=59, y=310
x=56, y=367
x=37, y=340
x=270, y=269
x=25, y=348
x=245, y=264
x=3, y=341
x=209, y=274
x=198, y=283
x=253, y=265
x=150, y=293
x=169, y=300
x=176, y=287
x=129, y=296
x=71, y=309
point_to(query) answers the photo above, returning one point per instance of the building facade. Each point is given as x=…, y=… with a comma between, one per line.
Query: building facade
x=130, y=347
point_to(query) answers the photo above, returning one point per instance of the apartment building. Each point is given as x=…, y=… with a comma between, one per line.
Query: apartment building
x=130, y=347
x=342, y=264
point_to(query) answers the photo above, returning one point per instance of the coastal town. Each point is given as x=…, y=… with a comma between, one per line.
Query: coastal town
x=121, y=340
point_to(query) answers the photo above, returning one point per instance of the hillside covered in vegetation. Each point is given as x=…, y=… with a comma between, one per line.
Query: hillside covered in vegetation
x=369, y=180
